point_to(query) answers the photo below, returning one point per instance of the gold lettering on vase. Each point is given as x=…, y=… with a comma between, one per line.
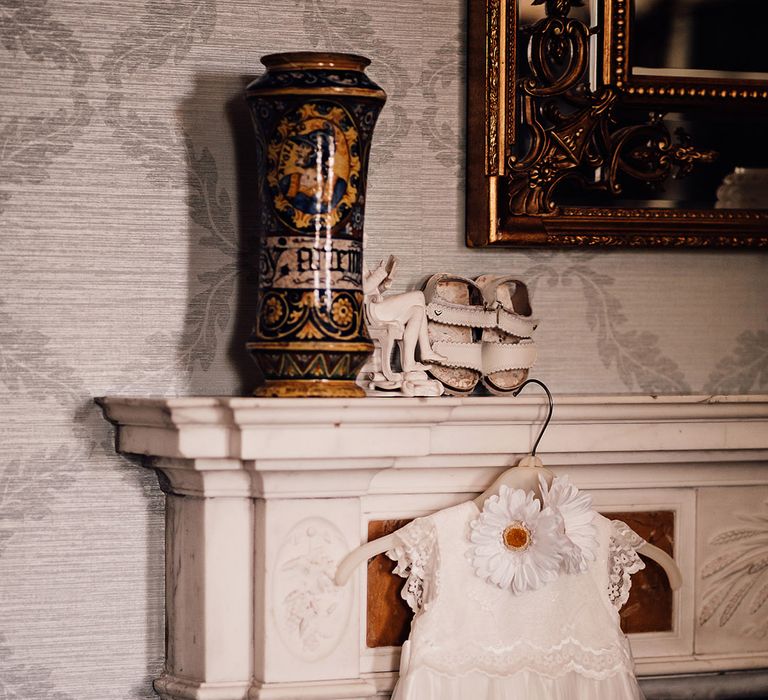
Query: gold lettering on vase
x=292, y=262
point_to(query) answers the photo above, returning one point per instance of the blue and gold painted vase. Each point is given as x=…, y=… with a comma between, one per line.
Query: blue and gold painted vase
x=314, y=115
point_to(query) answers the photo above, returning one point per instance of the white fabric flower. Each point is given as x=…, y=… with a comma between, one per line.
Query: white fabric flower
x=516, y=543
x=575, y=508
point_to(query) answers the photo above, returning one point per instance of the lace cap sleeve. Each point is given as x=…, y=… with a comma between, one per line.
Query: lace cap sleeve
x=415, y=552
x=623, y=561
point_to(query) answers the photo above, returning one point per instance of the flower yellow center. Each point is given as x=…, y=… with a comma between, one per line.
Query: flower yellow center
x=516, y=536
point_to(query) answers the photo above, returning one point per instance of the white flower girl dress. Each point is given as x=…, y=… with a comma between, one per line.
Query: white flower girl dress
x=517, y=602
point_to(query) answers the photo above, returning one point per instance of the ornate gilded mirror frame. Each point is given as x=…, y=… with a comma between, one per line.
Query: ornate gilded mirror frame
x=535, y=121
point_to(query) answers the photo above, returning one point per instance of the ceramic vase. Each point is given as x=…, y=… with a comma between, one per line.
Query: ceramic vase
x=314, y=115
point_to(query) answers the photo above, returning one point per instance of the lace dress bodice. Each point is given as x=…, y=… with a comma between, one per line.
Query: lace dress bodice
x=473, y=639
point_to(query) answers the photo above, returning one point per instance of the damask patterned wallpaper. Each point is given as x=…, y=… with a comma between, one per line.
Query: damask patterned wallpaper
x=126, y=182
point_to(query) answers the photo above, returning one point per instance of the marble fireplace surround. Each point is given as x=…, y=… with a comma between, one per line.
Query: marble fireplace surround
x=264, y=497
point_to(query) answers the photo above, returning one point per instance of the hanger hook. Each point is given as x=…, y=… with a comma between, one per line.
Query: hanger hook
x=549, y=414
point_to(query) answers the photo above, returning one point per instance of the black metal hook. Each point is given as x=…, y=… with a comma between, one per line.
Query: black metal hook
x=549, y=414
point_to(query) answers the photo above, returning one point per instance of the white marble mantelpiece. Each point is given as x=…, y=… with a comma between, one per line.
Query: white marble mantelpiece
x=266, y=495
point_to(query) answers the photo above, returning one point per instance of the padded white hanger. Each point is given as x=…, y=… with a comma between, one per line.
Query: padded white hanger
x=525, y=475
x=671, y=569
x=363, y=553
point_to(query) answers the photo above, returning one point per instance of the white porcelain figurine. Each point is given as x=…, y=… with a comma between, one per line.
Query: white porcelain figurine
x=401, y=319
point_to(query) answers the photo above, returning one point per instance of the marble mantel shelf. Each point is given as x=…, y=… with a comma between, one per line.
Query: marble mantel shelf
x=256, y=485
x=249, y=428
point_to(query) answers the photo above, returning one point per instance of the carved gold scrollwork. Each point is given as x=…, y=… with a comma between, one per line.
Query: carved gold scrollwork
x=570, y=132
x=555, y=153
x=647, y=153
x=557, y=56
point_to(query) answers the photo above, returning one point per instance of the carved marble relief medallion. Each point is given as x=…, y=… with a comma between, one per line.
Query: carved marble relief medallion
x=311, y=611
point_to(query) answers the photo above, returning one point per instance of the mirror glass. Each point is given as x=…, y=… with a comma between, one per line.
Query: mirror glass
x=529, y=13
x=700, y=38
x=686, y=38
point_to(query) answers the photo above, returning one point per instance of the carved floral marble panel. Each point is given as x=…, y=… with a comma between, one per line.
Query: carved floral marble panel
x=312, y=612
x=732, y=570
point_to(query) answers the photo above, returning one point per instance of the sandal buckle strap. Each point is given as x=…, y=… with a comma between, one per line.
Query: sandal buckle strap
x=514, y=324
x=498, y=357
x=462, y=355
x=470, y=316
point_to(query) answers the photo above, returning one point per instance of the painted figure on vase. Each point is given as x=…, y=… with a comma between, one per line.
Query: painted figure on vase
x=315, y=168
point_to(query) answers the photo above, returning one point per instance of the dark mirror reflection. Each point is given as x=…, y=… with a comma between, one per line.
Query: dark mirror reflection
x=704, y=38
x=736, y=179
x=721, y=39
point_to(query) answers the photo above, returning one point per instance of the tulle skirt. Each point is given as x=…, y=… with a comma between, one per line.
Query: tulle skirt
x=425, y=684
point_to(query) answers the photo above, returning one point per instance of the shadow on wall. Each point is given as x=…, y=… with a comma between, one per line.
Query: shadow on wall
x=223, y=229
x=100, y=437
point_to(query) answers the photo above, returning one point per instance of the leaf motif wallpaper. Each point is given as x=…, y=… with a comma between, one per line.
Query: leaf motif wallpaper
x=126, y=257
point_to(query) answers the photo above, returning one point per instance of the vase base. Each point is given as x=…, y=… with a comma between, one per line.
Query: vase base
x=318, y=388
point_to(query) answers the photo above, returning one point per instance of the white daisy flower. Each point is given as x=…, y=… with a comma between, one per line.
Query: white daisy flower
x=516, y=543
x=575, y=508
